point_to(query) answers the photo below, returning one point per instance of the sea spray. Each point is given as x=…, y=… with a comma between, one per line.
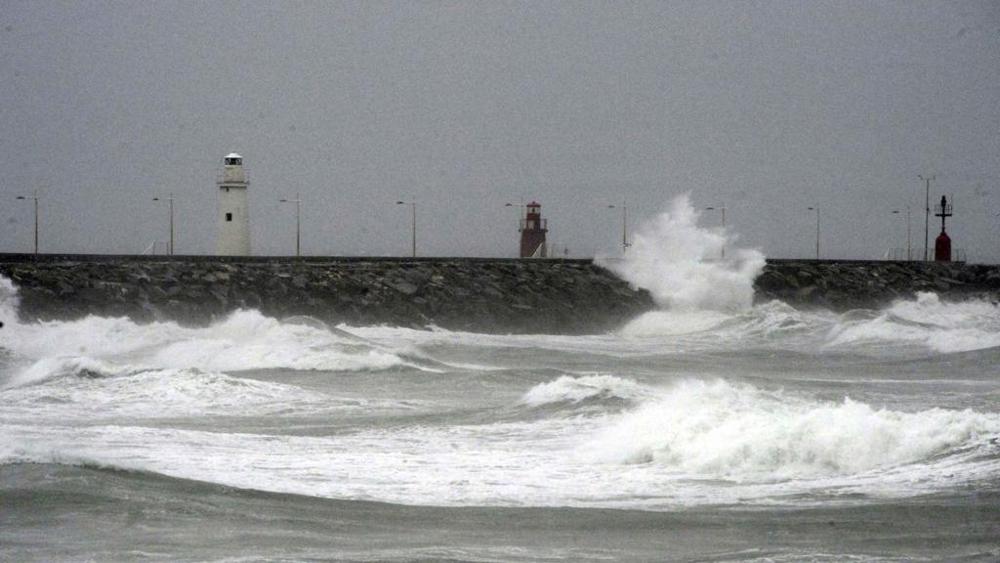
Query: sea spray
x=679, y=263
x=9, y=301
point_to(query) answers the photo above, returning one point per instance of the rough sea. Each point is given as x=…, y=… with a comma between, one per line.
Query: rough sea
x=735, y=432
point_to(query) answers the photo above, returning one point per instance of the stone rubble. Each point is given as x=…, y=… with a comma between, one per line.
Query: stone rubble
x=482, y=295
x=571, y=296
x=845, y=285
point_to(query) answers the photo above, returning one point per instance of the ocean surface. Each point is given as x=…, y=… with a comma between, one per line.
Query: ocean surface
x=770, y=434
x=735, y=433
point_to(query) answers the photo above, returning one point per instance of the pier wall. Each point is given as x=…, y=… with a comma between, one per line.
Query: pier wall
x=492, y=295
x=495, y=295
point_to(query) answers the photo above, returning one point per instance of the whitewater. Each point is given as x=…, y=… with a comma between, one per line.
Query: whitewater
x=711, y=429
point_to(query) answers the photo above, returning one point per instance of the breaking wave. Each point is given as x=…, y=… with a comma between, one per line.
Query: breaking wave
x=244, y=340
x=71, y=388
x=678, y=263
x=724, y=430
x=693, y=443
x=942, y=327
x=924, y=323
x=568, y=389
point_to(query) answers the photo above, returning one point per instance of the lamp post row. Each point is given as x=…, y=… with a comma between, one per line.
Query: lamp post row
x=624, y=207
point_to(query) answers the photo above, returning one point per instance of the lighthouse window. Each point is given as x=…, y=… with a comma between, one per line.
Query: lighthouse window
x=229, y=216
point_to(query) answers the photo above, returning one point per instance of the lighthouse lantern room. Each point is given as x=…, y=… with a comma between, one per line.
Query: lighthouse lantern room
x=234, y=217
x=533, y=229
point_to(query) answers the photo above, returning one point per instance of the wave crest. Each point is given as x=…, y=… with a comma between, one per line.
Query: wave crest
x=740, y=432
x=569, y=389
x=943, y=327
x=85, y=387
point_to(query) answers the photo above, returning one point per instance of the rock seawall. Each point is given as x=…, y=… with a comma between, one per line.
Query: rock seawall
x=484, y=295
x=570, y=296
x=843, y=285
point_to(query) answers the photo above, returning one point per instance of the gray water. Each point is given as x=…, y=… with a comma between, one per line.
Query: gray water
x=768, y=434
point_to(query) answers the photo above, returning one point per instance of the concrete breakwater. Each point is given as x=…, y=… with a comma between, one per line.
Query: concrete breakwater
x=492, y=295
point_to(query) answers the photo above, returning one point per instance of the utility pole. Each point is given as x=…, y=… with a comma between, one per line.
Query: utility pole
x=520, y=212
x=35, y=197
x=298, y=223
x=170, y=200
x=413, y=222
x=817, y=229
x=625, y=243
x=624, y=227
x=927, y=215
x=909, y=254
x=721, y=208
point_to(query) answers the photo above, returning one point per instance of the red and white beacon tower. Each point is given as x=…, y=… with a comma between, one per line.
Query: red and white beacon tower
x=533, y=229
x=942, y=244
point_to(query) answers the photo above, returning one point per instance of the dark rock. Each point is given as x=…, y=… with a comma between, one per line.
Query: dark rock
x=483, y=295
x=404, y=287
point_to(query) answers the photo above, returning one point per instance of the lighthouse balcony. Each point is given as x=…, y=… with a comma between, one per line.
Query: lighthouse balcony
x=233, y=177
x=534, y=224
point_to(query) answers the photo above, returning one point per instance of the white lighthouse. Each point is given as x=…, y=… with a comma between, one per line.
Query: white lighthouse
x=234, y=217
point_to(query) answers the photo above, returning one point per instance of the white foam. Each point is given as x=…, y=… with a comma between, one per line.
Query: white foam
x=692, y=444
x=9, y=302
x=729, y=431
x=85, y=388
x=52, y=368
x=243, y=340
x=942, y=327
x=673, y=323
x=678, y=262
x=576, y=389
x=249, y=340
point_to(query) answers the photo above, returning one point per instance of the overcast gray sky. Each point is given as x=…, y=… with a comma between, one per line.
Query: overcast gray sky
x=768, y=107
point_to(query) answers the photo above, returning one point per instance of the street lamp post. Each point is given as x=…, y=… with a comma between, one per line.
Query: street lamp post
x=927, y=214
x=169, y=200
x=34, y=197
x=413, y=211
x=520, y=213
x=298, y=225
x=909, y=255
x=816, y=208
x=721, y=208
x=624, y=207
